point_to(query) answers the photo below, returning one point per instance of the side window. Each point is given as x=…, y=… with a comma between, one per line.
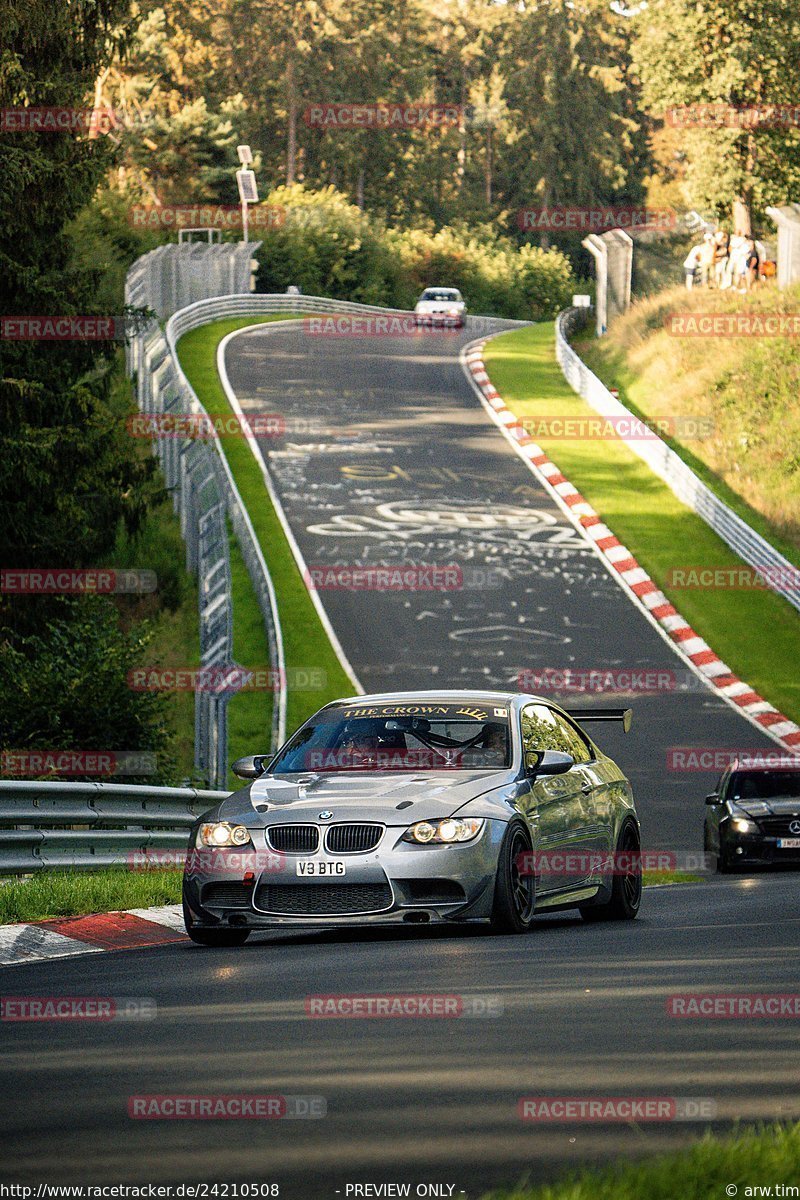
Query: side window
x=544, y=729
x=580, y=749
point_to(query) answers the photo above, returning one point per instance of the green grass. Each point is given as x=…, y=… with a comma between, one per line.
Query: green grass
x=746, y=387
x=755, y=632
x=306, y=643
x=661, y=878
x=747, y=1159
x=55, y=893
x=249, y=713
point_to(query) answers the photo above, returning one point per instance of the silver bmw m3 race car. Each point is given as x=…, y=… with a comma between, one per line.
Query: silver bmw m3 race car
x=420, y=807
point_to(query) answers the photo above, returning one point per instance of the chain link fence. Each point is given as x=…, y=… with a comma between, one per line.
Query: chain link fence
x=197, y=474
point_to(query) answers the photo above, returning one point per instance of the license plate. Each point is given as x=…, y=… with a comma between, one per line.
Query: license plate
x=789, y=843
x=307, y=866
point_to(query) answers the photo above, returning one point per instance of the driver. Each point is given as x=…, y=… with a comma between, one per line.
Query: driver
x=359, y=745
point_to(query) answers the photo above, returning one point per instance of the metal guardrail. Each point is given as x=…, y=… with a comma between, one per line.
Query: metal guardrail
x=779, y=574
x=198, y=475
x=87, y=826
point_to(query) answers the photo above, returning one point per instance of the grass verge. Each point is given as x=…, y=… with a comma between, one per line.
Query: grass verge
x=74, y=893
x=665, y=878
x=744, y=388
x=249, y=713
x=755, y=632
x=306, y=643
x=745, y=1161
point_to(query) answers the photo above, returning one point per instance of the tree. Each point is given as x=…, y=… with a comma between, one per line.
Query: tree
x=68, y=470
x=573, y=101
x=732, y=54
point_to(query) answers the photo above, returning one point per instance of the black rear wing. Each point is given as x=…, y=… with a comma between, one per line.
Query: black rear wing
x=625, y=715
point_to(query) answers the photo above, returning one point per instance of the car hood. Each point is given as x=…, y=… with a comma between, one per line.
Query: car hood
x=351, y=797
x=436, y=306
x=776, y=806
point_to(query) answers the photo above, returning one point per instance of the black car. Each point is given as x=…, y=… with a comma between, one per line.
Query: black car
x=753, y=817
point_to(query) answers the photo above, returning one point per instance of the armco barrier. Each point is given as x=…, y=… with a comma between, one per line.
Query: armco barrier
x=202, y=484
x=779, y=573
x=87, y=826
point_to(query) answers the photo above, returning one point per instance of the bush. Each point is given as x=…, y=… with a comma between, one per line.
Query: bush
x=67, y=689
x=328, y=247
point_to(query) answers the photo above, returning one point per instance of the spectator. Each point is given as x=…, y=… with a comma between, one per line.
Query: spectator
x=737, y=268
x=722, y=243
x=752, y=263
x=691, y=265
x=706, y=259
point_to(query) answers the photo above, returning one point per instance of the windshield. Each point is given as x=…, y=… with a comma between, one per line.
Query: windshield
x=761, y=785
x=441, y=294
x=400, y=737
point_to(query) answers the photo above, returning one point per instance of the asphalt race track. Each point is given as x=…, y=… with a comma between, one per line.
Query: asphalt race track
x=427, y=1100
x=389, y=458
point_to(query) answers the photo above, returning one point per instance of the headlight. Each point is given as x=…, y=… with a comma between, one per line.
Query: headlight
x=219, y=834
x=451, y=829
x=741, y=822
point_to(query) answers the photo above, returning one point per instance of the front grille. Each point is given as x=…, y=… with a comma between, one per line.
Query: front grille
x=323, y=899
x=226, y=895
x=352, y=839
x=778, y=826
x=293, y=839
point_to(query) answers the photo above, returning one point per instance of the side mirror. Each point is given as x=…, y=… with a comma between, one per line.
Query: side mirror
x=712, y=798
x=250, y=766
x=547, y=762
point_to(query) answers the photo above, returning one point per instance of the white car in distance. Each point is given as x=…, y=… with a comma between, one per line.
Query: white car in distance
x=441, y=306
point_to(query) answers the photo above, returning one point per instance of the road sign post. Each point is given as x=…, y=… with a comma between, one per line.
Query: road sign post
x=248, y=189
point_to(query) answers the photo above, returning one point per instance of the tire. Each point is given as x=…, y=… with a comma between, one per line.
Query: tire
x=514, y=893
x=724, y=864
x=213, y=937
x=626, y=890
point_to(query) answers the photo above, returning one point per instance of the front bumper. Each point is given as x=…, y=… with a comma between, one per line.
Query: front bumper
x=757, y=850
x=447, y=320
x=396, y=883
